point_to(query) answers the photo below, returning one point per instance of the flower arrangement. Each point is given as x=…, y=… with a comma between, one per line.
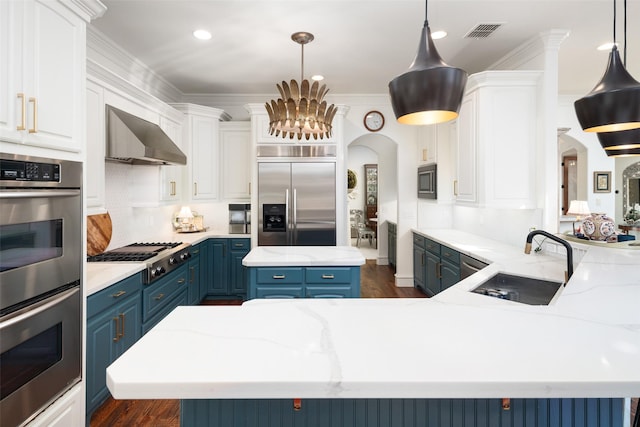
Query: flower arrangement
x=632, y=216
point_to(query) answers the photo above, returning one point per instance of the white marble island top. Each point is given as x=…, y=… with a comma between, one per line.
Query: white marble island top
x=305, y=256
x=457, y=344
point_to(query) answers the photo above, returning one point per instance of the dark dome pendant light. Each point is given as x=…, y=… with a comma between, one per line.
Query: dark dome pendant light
x=627, y=142
x=614, y=104
x=430, y=91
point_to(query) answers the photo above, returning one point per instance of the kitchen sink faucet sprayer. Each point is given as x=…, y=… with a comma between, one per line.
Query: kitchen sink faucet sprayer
x=527, y=249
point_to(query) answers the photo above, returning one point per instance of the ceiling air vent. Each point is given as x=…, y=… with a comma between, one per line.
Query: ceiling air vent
x=482, y=31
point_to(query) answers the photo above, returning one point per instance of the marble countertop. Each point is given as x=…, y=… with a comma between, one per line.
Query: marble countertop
x=100, y=275
x=279, y=256
x=585, y=344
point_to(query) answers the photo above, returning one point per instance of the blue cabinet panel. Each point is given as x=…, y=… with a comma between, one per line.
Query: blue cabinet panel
x=402, y=413
x=157, y=295
x=304, y=282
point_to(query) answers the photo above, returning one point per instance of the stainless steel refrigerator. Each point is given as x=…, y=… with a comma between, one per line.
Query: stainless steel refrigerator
x=297, y=204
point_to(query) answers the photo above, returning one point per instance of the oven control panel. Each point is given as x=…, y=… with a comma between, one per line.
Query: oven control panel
x=167, y=264
x=18, y=170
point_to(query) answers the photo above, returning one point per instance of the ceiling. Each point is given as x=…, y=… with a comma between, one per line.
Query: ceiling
x=359, y=46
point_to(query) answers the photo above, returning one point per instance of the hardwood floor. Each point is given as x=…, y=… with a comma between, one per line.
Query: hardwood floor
x=376, y=281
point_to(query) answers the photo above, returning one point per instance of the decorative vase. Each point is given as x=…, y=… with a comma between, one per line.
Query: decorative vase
x=598, y=226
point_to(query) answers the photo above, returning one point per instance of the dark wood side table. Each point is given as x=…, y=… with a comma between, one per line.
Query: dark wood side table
x=626, y=227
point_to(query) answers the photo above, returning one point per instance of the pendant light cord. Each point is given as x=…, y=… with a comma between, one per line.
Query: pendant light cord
x=624, y=56
x=302, y=63
x=426, y=8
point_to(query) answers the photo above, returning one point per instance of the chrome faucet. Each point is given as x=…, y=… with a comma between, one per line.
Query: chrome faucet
x=527, y=249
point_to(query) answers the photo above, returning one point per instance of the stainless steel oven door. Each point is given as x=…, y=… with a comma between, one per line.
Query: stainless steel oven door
x=40, y=242
x=41, y=355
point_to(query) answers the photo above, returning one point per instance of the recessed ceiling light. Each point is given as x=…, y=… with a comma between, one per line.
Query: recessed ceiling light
x=317, y=78
x=202, y=34
x=607, y=46
x=438, y=35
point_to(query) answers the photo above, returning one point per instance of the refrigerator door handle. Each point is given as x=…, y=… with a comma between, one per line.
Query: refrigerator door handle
x=287, y=217
x=295, y=217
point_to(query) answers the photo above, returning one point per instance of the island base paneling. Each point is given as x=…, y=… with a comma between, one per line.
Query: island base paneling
x=564, y=412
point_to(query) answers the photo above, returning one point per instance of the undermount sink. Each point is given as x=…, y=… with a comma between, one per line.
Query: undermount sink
x=519, y=289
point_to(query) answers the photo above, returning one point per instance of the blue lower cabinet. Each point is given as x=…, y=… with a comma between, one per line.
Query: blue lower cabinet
x=113, y=325
x=161, y=297
x=304, y=282
x=402, y=413
x=227, y=277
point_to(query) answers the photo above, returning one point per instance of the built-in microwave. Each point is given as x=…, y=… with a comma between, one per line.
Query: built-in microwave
x=428, y=181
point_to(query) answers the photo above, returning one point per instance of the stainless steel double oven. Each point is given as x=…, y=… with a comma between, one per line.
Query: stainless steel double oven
x=40, y=292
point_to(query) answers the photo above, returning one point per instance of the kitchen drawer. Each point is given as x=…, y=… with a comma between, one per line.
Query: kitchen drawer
x=156, y=296
x=240, y=244
x=114, y=294
x=329, y=292
x=279, y=292
x=450, y=255
x=418, y=240
x=181, y=298
x=328, y=275
x=432, y=246
x=277, y=275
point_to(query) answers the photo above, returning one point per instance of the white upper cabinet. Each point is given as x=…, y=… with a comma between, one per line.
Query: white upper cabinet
x=94, y=166
x=237, y=160
x=427, y=144
x=42, y=74
x=201, y=127
x=497, y=135
x=171, y=176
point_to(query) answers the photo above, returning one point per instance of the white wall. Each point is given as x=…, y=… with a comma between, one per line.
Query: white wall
x=357, y=157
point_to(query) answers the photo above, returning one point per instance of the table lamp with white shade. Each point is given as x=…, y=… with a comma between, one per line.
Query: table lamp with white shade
x=185, y=216
x=580, y=209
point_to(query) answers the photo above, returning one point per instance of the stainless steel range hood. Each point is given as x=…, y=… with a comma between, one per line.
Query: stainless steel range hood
x=131, y=139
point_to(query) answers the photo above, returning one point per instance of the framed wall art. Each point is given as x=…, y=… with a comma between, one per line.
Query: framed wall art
x=601, y=182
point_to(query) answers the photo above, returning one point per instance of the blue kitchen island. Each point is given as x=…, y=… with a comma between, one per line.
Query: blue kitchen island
x=456, y=359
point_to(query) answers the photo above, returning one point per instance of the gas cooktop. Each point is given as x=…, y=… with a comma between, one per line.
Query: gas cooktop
x=161, y=258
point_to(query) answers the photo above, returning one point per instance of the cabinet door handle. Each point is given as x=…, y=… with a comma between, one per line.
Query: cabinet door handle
x=23, y=108
x=279, y=276
x=249, y=188
x=159, y=297
x=455, y=187
x=439, y=270
x=192, y=269
x=117, y=337
x=121, y=326
x=119, y=294
x=172, y=185
x=34, y=129
x=195, y=188
x=328, y=276
x=422, y=258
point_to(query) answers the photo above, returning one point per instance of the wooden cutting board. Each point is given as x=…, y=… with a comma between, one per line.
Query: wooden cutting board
x=98, y=233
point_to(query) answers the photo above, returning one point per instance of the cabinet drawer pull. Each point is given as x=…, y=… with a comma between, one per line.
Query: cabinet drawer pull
x=117, y=337
x=279, y=276
x=196, y=251
x=181, y=281
x=34, y=129
x=121, y=326
x=119, y=294
x=238, y=245
x=23, y=108
x=328, y=276
x=159, y=297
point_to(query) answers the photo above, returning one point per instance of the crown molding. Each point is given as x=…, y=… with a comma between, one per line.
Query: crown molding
x=86, y=9
x=528, y=51
x=103, y=51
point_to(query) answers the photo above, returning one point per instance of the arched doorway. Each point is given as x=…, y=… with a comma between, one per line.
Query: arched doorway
x=379, y=150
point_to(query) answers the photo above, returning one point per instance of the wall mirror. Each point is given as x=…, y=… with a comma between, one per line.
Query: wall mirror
x=630, y=187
